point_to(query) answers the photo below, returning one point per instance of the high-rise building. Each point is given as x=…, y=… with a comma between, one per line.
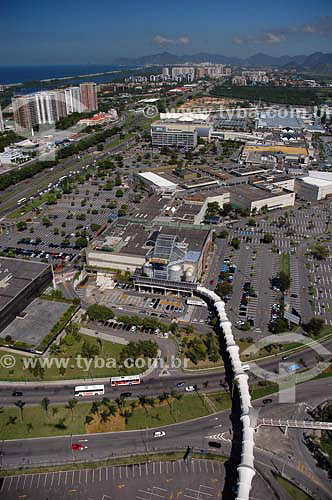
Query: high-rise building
x=165, y=71
x=89, y=96
x=61, y=108
x=73, y=100
x=46, y=105
x=2, y=126
x=25, y=111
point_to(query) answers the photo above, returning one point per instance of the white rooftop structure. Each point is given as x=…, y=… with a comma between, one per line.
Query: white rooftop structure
x=316, y=181
x=185, y=116
x=315, y=186
x=317, y=174
x=157, y=182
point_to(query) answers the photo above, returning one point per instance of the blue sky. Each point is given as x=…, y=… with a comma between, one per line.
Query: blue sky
x=87, y=31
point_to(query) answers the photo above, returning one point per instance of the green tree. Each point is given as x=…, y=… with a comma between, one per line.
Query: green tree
x=81, y=242
x=224, y=289
x=314, y=326
x=223, y=234
x=89, y=349
x=267, y=238
x=320, y=252
x=71, y=406
x=21, y=225
x=20, y=404
x=11, y=420
x=88, y=419
x=235, y=243
x=284, y=281
x=45, y=403
x=98, y=312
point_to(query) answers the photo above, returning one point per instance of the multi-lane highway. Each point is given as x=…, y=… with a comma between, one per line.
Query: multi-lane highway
x=196, y=433
x=60, y=391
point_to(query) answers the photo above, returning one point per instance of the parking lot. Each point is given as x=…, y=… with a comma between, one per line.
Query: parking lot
x=199, y=479
x=125, y=296
x=172, y=480
x=53, y=229
x=320, y=279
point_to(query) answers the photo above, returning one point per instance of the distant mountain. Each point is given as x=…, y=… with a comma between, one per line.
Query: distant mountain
x=317, y=61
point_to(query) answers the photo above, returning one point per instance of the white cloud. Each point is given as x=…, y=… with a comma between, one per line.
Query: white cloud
x=162, y=40
x=322, y=27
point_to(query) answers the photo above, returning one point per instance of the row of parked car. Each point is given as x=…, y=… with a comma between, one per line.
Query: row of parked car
x=35, y=254
x=247, y=292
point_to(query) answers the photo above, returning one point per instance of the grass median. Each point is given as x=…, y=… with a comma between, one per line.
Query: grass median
x=106, y=415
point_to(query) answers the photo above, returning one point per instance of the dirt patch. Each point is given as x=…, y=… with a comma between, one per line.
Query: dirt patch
x=114, y=423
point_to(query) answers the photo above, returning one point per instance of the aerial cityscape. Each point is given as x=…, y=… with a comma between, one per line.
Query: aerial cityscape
x=166, y=251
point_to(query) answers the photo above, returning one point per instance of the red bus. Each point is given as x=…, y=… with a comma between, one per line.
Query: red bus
x=128, y=380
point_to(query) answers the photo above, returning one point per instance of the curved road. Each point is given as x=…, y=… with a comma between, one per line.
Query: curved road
x=196, y=433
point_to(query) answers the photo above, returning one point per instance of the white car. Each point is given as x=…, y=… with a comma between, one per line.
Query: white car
x=159, y=434
x=190, y=388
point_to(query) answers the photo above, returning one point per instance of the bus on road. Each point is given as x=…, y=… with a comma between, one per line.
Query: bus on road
x=129, y=380
x=22, y=200
x=89, y=390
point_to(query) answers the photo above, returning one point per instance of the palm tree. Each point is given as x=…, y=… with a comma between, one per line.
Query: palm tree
x=55, y=349
x=11, y=420
x=70, y=406
x=104, y=416
x=105, y=401
x=20, y=404
x=45, y=402
x=133, y=405
x=95, y=408
x=54, y=411
x=120, y=403
x=143, y=402
x=151, y=402
x=88, y=419
x=112, y=410
x=126, y=415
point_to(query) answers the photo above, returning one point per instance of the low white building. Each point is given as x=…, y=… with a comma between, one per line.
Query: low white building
x=11, y=156
x=156, y=183
x=315, y=186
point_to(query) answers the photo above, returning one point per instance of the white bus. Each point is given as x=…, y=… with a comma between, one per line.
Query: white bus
x=62, y=178
x=22, y=200
x=129, y=380
x=89, y=390
x=196, y=302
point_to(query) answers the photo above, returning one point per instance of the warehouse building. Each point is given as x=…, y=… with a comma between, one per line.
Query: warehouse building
x=20, y=282
x=315, y=186
x=155, y=183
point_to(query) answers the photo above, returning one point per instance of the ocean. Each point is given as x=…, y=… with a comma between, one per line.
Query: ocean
x=25, y=74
